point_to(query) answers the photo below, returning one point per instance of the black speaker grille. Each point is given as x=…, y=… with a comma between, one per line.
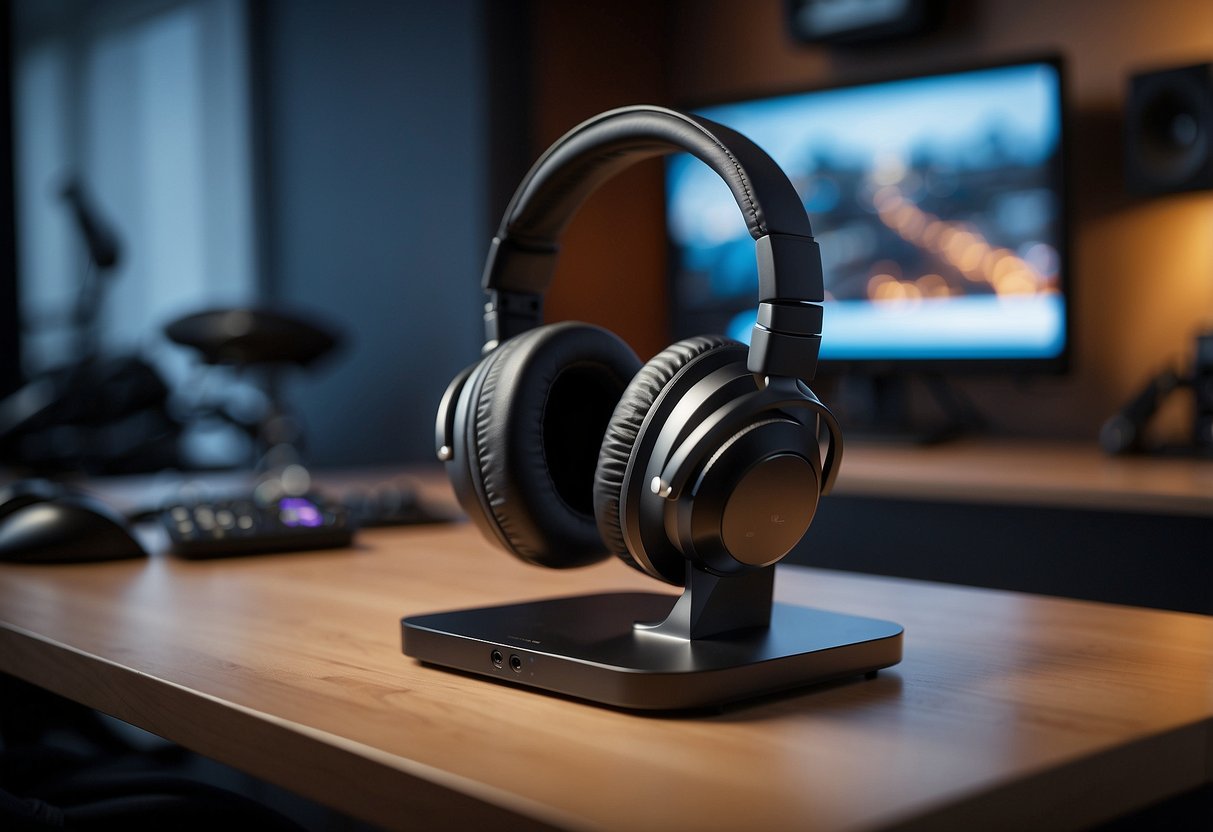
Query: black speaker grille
x=1169, y=130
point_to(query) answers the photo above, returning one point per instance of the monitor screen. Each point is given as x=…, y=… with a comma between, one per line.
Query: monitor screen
x=938, y=205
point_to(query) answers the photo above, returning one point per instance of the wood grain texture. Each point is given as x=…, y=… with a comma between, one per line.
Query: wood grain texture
x=1008, y=711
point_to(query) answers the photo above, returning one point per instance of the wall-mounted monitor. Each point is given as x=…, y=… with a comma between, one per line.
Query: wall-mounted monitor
x=939, y=205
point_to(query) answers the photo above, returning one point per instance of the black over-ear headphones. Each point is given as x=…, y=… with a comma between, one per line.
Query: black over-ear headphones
x=562, y=448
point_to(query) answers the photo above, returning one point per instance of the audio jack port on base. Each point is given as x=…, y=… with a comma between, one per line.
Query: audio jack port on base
x=515, y=664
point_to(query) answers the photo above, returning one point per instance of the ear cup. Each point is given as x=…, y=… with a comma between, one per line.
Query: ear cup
x=623, y=429
x=533, y=429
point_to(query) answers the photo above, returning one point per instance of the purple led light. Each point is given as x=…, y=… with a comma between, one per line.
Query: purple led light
x=296, y=511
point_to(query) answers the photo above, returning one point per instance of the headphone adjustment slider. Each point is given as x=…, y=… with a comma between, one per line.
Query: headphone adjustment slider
x=782, y=354
x=797, y=261
x=511, y=313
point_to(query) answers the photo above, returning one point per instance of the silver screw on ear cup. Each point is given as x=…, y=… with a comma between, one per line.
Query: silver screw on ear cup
x=445, y=453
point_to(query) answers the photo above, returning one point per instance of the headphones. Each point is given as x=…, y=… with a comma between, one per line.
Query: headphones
x=563, y=449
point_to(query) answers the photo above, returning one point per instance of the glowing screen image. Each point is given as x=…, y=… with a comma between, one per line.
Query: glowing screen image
x=936, y=202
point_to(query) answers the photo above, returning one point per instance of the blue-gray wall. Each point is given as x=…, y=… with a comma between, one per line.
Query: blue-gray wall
x=375, y=207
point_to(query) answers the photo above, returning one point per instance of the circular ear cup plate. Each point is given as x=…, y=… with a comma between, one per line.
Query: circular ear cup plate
x=617, y=461
x=532, y=427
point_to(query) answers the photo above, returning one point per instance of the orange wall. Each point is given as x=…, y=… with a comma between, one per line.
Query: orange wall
x=590, y=57
x=1142, y=268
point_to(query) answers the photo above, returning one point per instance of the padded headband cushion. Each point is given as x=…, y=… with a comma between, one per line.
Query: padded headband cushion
x=539, y=418
x=625, y=426
x=597, y=149
x=602, y=146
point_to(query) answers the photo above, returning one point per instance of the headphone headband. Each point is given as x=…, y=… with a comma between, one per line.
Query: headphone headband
x=522, y=257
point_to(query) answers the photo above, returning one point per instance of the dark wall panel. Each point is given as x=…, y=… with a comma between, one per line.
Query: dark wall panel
x=1135, y=558
x=375, y=147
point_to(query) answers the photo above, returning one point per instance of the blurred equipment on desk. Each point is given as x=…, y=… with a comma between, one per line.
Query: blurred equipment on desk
x=46, y=522
x=1125, y=431
x=281, y=512
x=287, y=511
x=260, y=345
x=267, y=344
x=248, y=525
x=105, y=412
x=396, y=502
x=100, y=414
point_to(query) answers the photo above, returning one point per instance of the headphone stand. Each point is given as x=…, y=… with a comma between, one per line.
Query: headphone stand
x=595, y=647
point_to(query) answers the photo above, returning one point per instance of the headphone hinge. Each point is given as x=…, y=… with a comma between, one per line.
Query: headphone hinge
x=794, y=317
x=782, y=353
x=796, y=261
x=510, y=313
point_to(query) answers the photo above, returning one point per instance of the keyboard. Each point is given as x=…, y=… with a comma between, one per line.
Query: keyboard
x=243, y=526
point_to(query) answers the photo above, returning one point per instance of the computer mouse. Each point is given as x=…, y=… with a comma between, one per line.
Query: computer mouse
x=68, y=528
x=22, y=493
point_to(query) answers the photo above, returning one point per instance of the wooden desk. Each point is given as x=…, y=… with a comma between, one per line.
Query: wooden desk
x=1008, y=712
x=1037, y=473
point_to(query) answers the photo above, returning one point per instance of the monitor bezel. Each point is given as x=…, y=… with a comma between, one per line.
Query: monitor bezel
x=1057, y=365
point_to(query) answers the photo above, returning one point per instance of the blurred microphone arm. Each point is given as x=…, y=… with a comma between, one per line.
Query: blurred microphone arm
x=103, y=247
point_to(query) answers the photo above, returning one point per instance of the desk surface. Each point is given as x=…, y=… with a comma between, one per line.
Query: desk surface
x=1060, y=474
x=1017, y=710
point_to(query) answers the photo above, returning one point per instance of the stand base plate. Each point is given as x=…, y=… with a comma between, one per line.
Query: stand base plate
x=586, y=647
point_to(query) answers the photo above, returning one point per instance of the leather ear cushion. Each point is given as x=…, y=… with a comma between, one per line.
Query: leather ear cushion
x=624, y=427
x=539, y=417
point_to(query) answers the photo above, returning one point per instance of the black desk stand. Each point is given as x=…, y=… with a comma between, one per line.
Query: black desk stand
x=722, y=640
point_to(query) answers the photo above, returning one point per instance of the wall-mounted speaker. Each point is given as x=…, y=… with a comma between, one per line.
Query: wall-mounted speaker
x=1169, y=130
